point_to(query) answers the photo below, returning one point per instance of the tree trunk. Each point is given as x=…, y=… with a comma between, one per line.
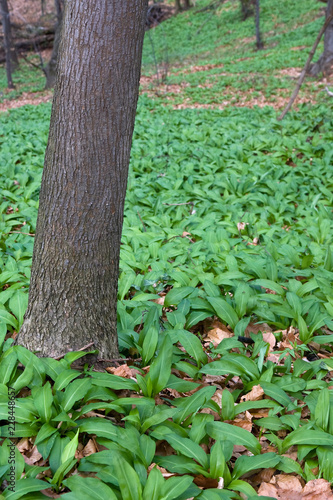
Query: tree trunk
x=187, y=4
x=51, y=68
x=178, y=5
x=325, y=62
x=11, y=56
x=246, y=8
x=259, y=43
x=73, y=291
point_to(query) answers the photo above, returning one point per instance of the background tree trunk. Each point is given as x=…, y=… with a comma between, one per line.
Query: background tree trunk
x=246, y=8
x=73, y=291
x=11, y=56
x=259, y=43
x=178, y=5
x=50, y=69
x=187, y=4
x=325, y=62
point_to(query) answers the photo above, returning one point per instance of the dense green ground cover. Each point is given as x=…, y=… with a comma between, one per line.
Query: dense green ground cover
x=228, y=221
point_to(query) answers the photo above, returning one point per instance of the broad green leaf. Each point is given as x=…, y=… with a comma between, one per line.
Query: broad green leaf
x=188, y=448
x=160, y=369
x=24, y=486
x=237, y=435
x=87, y=488
x=175, y=486
x=224, y=310
x=70, y=449
x=64, y=378
x=75, y=391
x=43, y=398
x=98, y=426
x=128, y=479
x=177, y=294
x=246, y=464
x=154, y=485
x=304, y=436
x=191, y=404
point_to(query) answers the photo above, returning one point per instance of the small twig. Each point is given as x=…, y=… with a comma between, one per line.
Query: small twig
x=306, y=67
x=178, y=204
x=81, y=349
x=19, y=232
x=154, y=57
x=212, y=5
x=329, y=92
x=143, y=224
x=38, y=66
x=205, y=22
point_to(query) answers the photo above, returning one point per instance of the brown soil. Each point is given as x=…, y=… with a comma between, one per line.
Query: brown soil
x=29, y=11
x=27, y=98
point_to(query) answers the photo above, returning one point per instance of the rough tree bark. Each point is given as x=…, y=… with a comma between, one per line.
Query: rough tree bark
x=73, y=291
x=324, y=64
x=11, y=56
x=50, y=69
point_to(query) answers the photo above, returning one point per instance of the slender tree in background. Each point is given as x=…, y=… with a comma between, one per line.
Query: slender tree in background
x=50, y=69
x=180, y=7
x=11, y=56
x=324, y=64
x=259, y=42
x=73, y=291
x=246, y=8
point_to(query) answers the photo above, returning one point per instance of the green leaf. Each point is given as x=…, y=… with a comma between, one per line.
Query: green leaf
x=98, y=426
x=217, y=460
x=160, y=369
x=70, y=449
x=188, y=448
x=224, y=310
x=269, y=284
x=246, y=464
x=158, y=418
x=75, y=391
x=191, y=404
x=24, y=486
x=175, y=486
x=129, y=483
x=7, y=366
x=304, y=436
x=114, y=382
x=228, y=405
x=192, y=345
x=149, y=345
x=176, y=295
x=154, y=485
x=181, y=385
x=64, y=378
x=25, y=378
x=239, y=436
x=18, y=304
x=87, y=488
x=43, y=398
x=180, y=465
x=273, y=391
x=8, y=319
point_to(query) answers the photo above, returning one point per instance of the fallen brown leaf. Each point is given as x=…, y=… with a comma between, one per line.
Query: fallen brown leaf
x=318, y=489
x=269, y=337
x=89, y=448
x=255, y=394
x=216, y=335
x=123, y=371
